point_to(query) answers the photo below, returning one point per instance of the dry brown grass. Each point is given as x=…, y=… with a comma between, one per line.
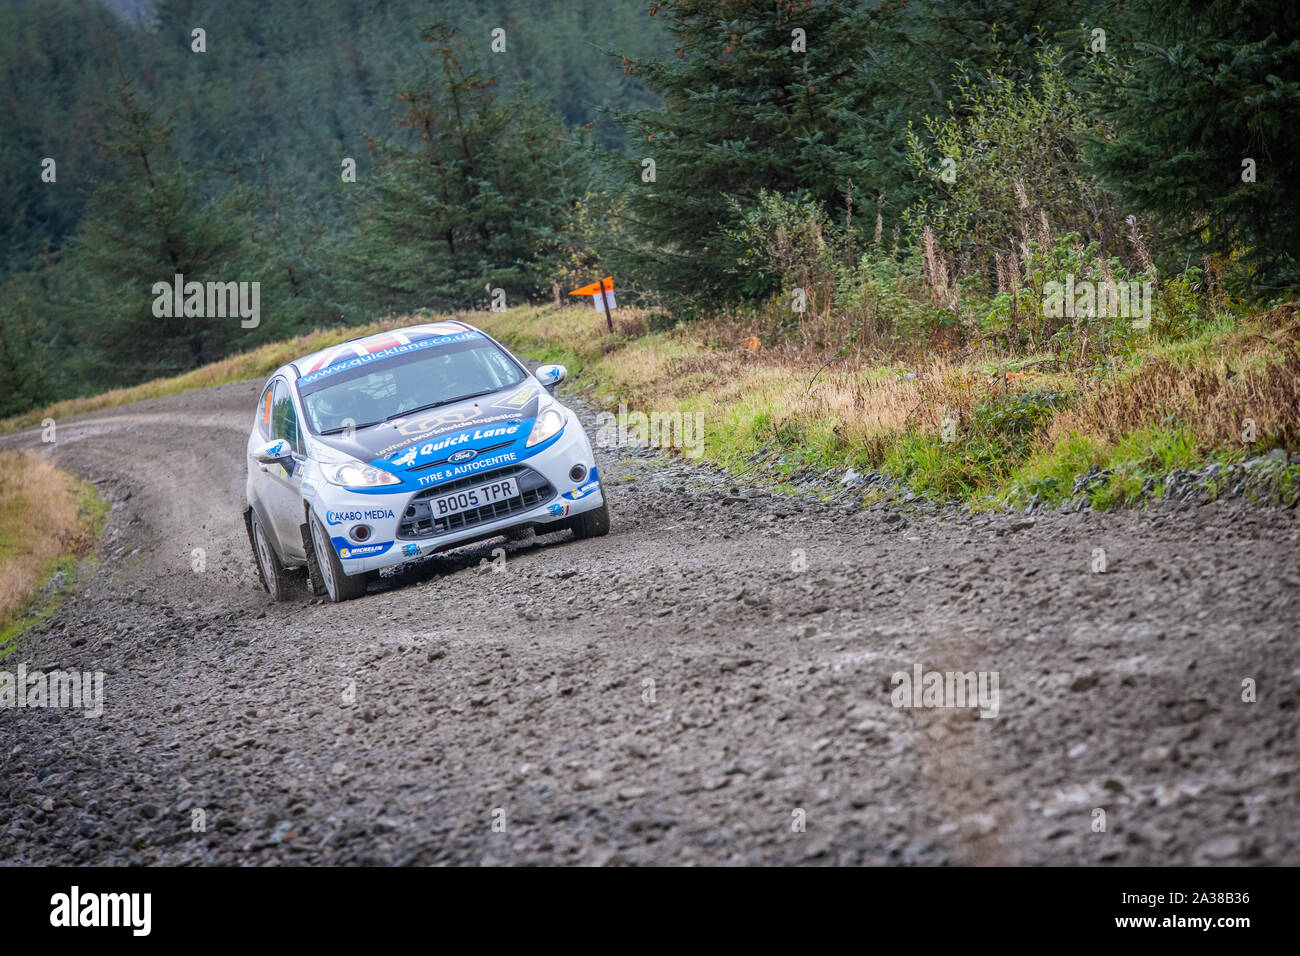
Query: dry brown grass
x=864, y=404
x=1254, y=373
x=41, y=520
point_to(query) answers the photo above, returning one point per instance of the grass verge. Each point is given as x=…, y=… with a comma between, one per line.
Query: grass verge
x=48, y=521
x=985, y=428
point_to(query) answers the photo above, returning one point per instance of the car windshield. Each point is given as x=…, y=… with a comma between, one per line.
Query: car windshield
x=371, y=394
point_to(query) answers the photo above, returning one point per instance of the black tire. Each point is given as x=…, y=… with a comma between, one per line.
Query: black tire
x=338, y=585
x=315, y=583
x=591, y=524
x=274, y=577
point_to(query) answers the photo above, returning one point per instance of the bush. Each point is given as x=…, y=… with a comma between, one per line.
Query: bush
x=1011, y=151
x=1015, y=416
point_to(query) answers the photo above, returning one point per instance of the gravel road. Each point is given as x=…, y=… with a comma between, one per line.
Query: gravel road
x=712, y=683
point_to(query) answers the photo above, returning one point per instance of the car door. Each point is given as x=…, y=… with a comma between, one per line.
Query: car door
x=283, y=486
x=259, y=479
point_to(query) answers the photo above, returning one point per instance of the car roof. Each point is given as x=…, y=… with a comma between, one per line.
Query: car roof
x=372, y=344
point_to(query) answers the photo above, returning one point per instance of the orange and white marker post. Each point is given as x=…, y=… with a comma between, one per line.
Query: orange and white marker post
x=602, y=294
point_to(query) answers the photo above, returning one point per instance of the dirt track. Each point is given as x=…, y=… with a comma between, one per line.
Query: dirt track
x=390, y=729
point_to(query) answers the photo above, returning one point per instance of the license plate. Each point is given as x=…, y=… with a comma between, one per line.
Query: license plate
x=472, y=498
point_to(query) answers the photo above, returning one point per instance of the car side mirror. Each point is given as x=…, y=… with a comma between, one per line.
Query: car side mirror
x=276, y=450
x=551, y=375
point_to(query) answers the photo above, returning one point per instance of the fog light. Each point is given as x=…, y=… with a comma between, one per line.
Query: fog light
x=577, y=473
x=360, y=532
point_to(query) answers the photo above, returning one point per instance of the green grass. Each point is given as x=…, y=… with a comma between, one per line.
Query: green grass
x=1142, y=456
x=770, y=416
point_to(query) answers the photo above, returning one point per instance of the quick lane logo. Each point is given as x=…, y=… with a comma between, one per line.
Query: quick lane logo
x=103, y=909
x=360, y=360
x=464, y=454
x=478, y=434
x=418, y=429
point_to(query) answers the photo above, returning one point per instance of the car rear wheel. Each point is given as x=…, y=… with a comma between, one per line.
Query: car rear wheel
x=274, y=578
x=338, y=585
x=591, y=524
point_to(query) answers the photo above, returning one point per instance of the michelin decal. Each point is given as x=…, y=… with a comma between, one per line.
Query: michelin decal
x=348, y=550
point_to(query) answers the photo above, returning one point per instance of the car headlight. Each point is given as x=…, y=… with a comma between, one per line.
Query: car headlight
x=549, y=424
x=356, y=474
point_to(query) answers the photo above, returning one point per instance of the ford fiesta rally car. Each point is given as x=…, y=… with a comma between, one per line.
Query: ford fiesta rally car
x=394, y=446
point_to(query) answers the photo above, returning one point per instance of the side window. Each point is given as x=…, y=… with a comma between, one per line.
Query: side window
x=284, y=420
x=263, y=419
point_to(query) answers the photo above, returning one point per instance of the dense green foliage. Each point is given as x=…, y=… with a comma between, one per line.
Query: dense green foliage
x=294, y=85
x=227, y=165
x=1012, y=144
x=476, y=202
x=811, y=100
x=854, y=173
x=1200, y=90
x=144, y=224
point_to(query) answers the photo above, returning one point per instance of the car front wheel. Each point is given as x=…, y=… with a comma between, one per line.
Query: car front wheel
x=338, y=585
x=591, y=524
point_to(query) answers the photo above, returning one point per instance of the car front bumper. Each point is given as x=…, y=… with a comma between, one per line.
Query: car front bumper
x=389, y=544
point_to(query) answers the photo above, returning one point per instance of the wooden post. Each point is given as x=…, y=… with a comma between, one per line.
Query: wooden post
x=609, y=319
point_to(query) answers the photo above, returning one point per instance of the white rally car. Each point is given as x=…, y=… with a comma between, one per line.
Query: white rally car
x=394, y=446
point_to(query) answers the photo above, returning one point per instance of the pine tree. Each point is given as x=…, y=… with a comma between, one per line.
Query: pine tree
x=144, y=226
x=23, y=352
x=801, y=99
x=759, y=96
x=54, y=61
x=468, y=201
x=1204, y=95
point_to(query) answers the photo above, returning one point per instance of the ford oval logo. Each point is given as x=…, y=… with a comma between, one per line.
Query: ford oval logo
x=464, y=454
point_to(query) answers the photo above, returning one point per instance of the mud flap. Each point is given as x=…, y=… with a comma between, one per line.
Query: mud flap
x=314, y=582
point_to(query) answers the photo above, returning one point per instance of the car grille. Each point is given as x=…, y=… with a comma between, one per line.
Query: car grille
x=418, y=521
